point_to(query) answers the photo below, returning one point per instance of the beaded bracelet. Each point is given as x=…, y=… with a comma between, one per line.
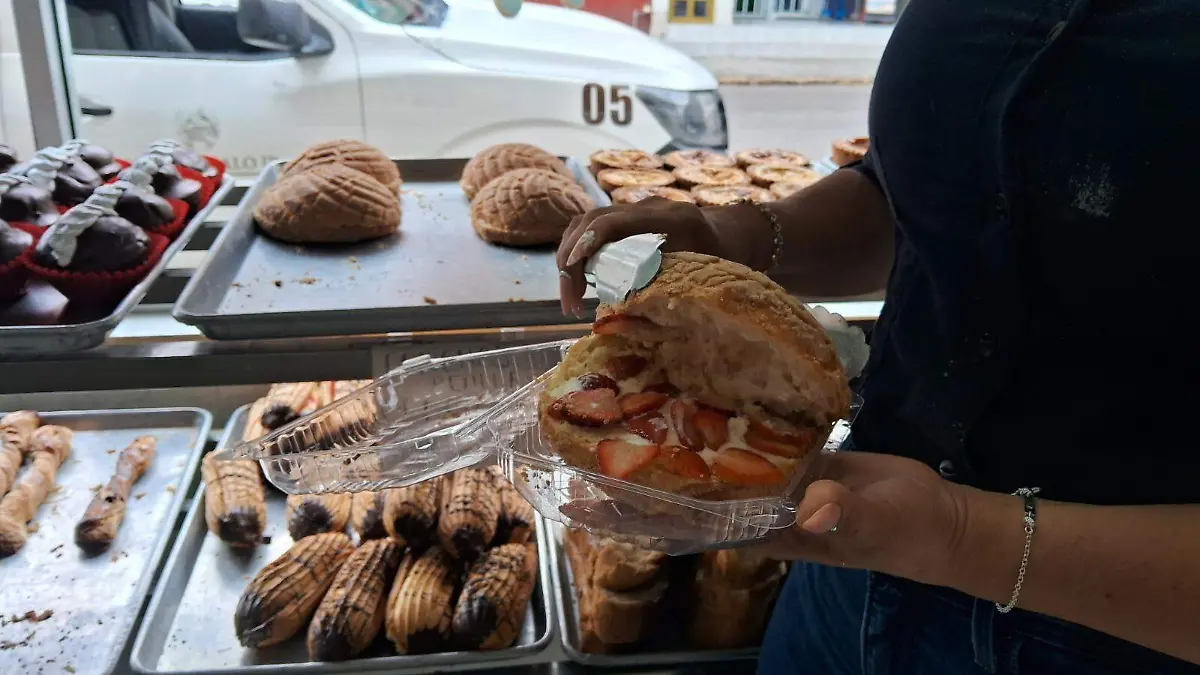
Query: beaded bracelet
x=776, y=233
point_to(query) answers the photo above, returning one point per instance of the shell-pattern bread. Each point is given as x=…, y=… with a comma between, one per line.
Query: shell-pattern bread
x=724, y=195
x=785, y=189
x=624, y=159
x=747, y=158
x=498, y=160
x=691, y=176
x=767, y=174
x=612, y=179
x=527, y=207
x=328, y=203
x=680, y=158
x=354, y=154
x=635, y=194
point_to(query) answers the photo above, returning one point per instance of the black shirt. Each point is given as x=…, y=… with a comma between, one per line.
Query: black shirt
x=1039, y=159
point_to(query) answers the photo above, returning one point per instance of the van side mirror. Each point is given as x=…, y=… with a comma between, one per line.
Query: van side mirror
x=276, y=25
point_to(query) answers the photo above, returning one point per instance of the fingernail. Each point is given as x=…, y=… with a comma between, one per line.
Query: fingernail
x=581, y=248
x=825, y=519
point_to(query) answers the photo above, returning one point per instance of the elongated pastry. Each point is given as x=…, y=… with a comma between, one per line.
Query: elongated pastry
x=351, y=613
x=420, y=613
x=49, y=446
x=366, y=515
x=470, y=512
x=516, y=523
x=235, y=507
x=410, y=513
x=15, y=430
x=285, y=401
x=313, y=514
x=103, y=517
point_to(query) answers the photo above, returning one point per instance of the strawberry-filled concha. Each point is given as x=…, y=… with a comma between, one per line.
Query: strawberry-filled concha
x=712, y=382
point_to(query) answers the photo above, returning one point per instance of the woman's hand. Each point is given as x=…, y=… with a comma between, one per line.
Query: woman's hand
x=877, y=512
x=686, y=226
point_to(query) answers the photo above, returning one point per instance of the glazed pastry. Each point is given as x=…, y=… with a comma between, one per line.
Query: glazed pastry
x=724, y=195
x=353, y=154
x=91, y=237
x=527, y=207
x=611, y=179
x=98, y=527
x=328, y=203
x=682, y=158
x=96, y=157
x=850, y=150
x=138, y=203
x=8, y=157
x=22, y=201
x=692, y=176
x=761, y=155
x=187, y=157
x=632, y=195
x=624, y=159
x=13, y=243
x=169, y=184
x=500, y=159
x=732, y=426
x=785, y=189
x=67, y=177
x=767, y=174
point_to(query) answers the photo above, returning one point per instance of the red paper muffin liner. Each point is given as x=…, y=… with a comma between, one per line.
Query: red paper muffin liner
x=206, y=184
x=98, y=288
x=15, y=274
x=172, y=229
x=220, y=167
x=123, y=164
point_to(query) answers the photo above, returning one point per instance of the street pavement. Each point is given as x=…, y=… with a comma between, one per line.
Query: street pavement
x=803, y=118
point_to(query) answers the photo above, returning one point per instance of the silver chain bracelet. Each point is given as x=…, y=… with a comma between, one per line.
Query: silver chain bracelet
x=1027, y=494
x=776, y=233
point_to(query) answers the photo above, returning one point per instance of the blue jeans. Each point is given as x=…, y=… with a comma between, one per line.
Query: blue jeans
x=832, y=621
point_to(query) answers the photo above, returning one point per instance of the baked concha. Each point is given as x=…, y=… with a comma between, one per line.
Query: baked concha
x=633, y=195
x=624, y=159
x=681, y=158
x=692, y=176
x=767, y=174
x=771, y=156
x=785, y=189
x=354, y=154
x=527, y=207
x=611, y=179
x=850, y=150
x=712, y=382
x=500, y=159
x=328, y=203
x=724, y=195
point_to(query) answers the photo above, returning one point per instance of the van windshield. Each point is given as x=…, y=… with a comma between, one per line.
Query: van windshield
x=403, y=12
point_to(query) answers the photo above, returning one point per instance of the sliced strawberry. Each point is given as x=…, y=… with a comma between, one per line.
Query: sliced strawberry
x=595, y=408
x=620, y=324
x=555, y=410
x=684, y=462
x=620, y=459
x=639, y=404
x=590, y=381
x=627, y=365
x=682, y=415
x=663, y=388
x=742, y=467
x=713, y=426
x=652, y=427
x=774, y=438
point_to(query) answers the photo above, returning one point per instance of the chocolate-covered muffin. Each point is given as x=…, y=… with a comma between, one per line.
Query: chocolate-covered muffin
x=75, y=182
x=8, y=157
x=13, y=243
x=24, y=202
x=193, y=160
x=144, y=208
x=101, y=160
x=168, y=183
x=111, y=243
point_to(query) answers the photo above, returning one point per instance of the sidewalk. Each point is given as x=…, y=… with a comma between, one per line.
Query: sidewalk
x=782, y=52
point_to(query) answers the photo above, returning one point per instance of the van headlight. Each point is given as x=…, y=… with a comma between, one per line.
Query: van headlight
x=693, y=118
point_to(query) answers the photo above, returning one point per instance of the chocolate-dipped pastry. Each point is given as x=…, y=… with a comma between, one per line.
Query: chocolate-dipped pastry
x=75, y=182
x=21, y=201
x=184, y=156
x=8, y=157
x=168, y=183
x=13, y=243
x=92, y=238
x=144, y=208
x=95, y=156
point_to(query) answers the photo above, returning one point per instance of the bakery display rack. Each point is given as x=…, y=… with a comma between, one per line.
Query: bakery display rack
x=64, y=610
x=434, y=274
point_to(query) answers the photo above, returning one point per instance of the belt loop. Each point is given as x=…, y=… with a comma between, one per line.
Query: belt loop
x=983, y=614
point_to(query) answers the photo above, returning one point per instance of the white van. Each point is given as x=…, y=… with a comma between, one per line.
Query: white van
x=254, y=81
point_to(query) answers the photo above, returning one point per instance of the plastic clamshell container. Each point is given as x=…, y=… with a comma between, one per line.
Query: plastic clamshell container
x=433, y=416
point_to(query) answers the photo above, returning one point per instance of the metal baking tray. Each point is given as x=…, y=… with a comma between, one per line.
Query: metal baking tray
x=96, y=599
x=567, y=607
x=435, y=274
x=188, y=627
x=85, y=332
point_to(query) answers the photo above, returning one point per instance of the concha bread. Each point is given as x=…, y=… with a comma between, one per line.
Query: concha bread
x=850, y=150
x=498, y=160
x=729, y=339
x=354, y=154
x=328, y=203
x=527, y=207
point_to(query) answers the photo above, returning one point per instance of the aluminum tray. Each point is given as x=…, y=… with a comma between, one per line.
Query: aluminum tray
x=434, y=274
x=188, y=627
x=87, y=332
x=566, y=605
x=95, y=599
